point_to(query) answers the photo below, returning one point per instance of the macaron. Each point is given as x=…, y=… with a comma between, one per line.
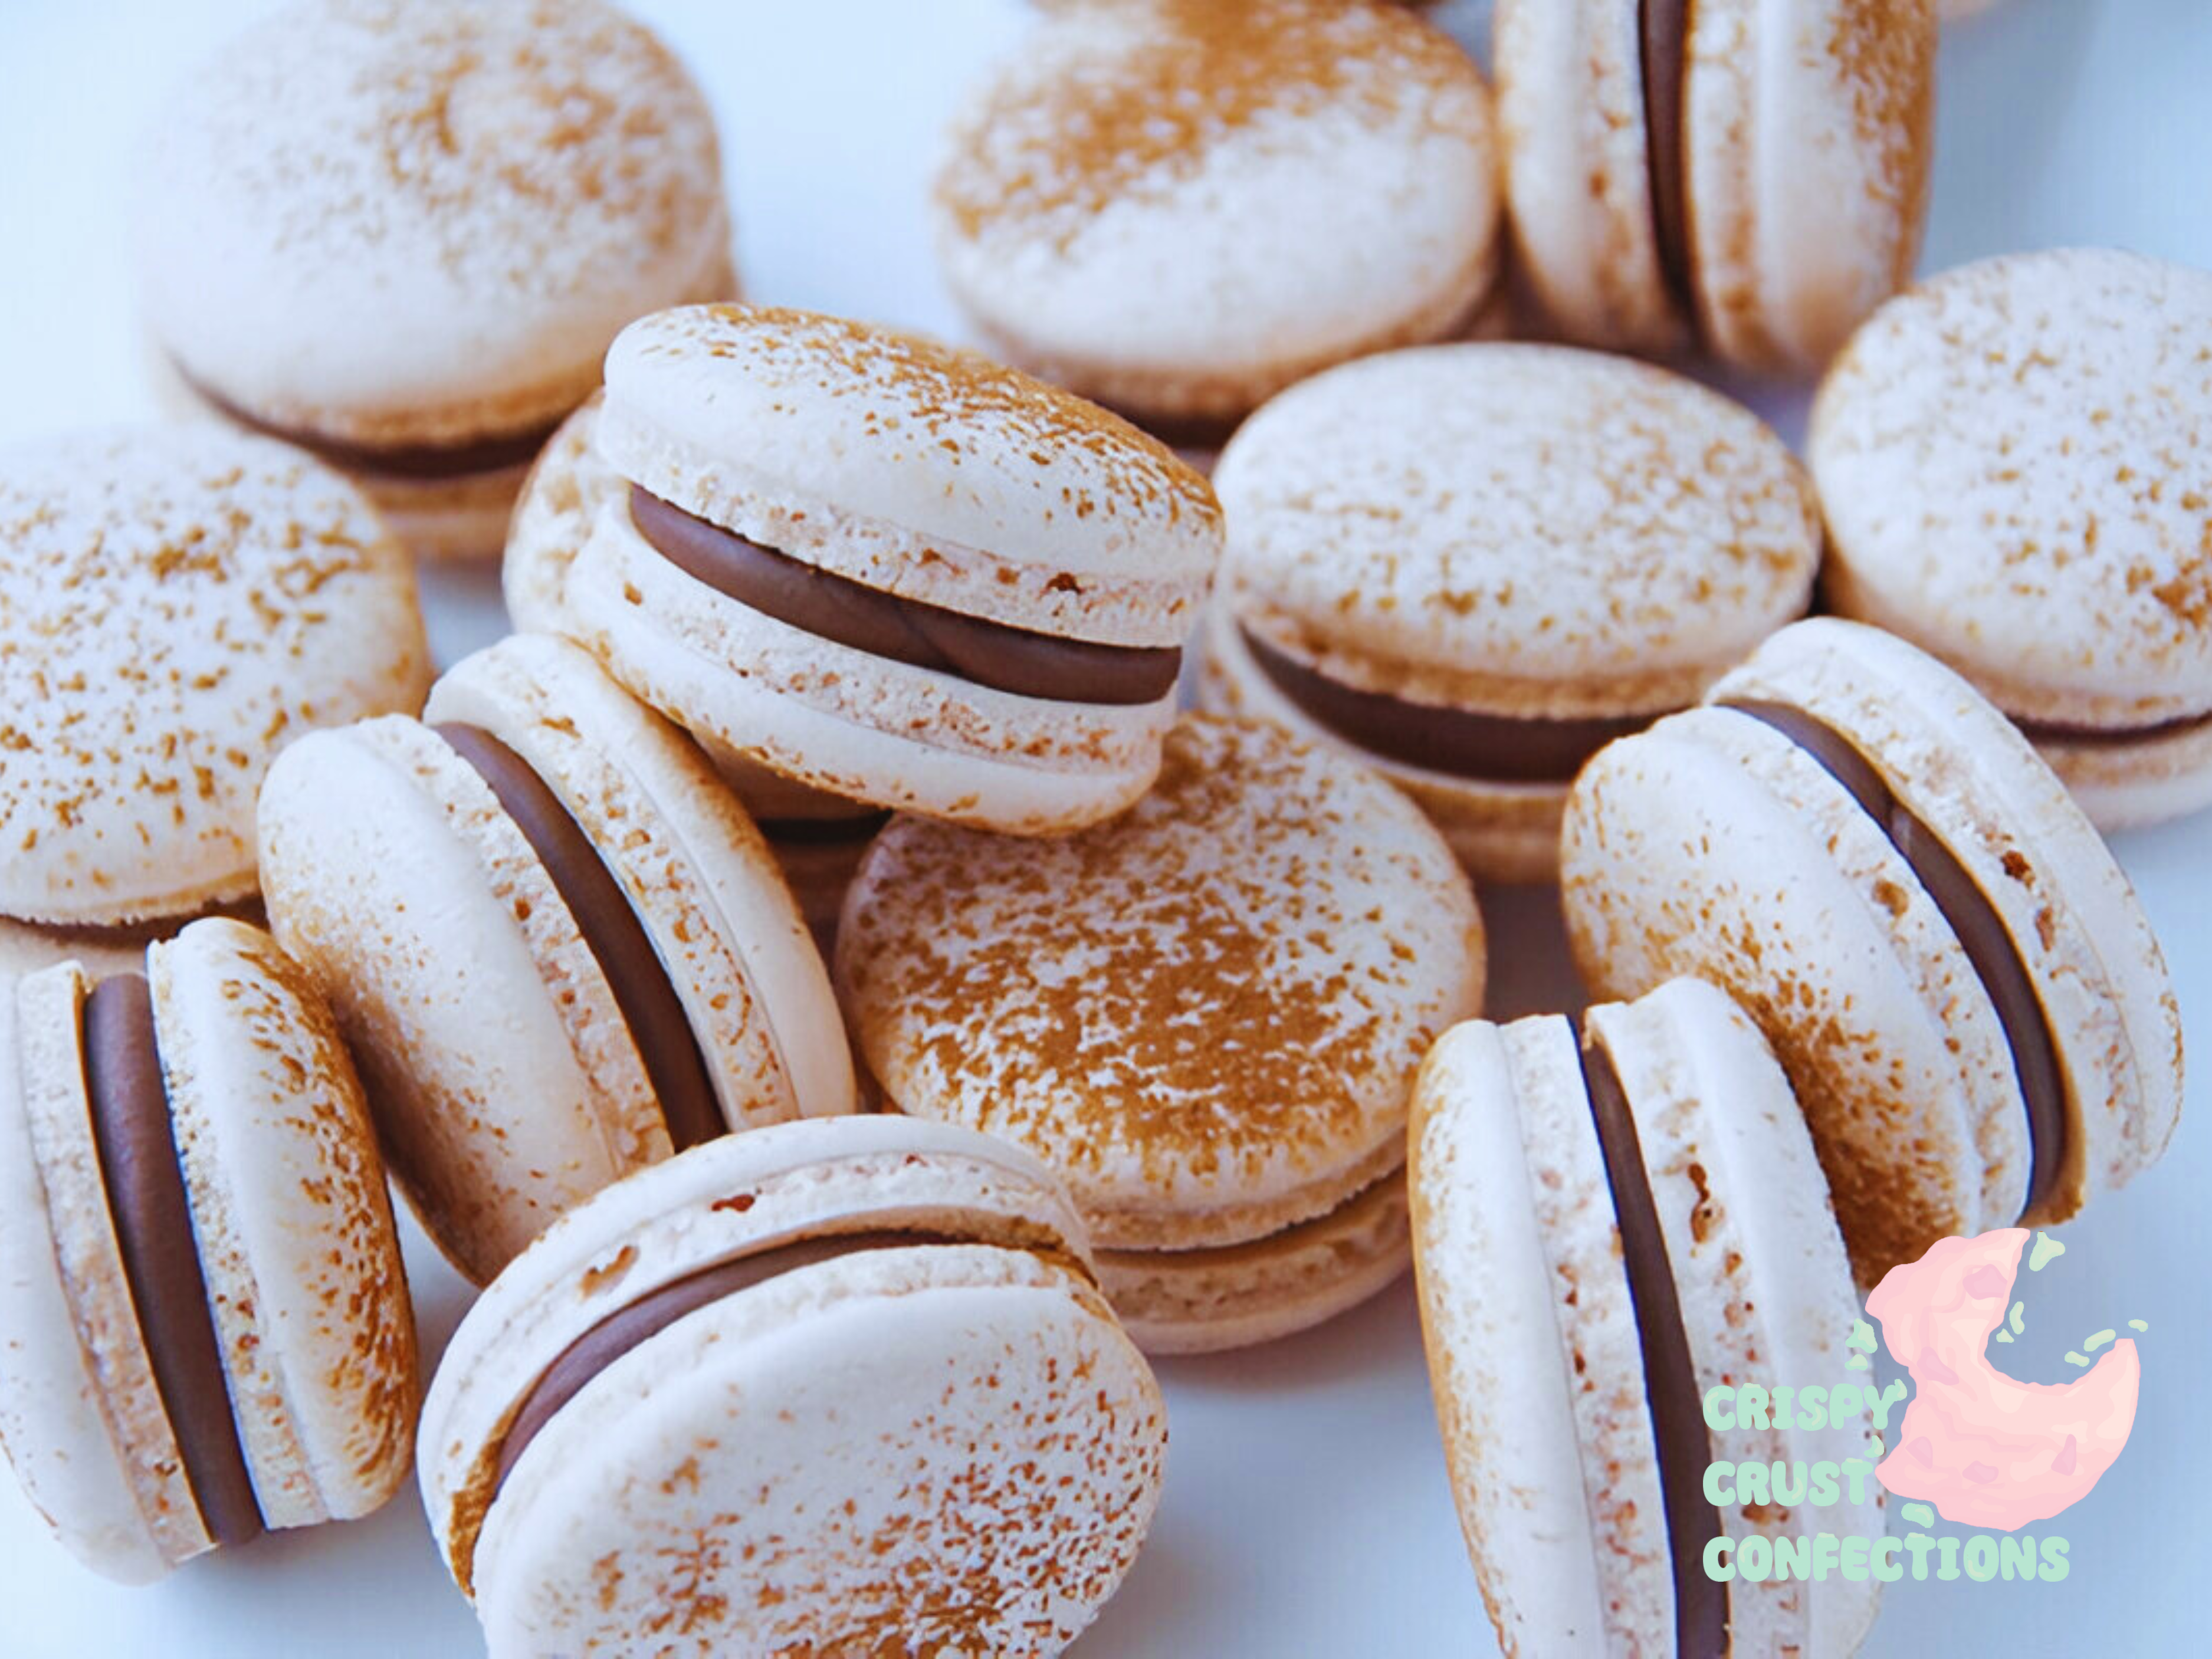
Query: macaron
x=1748, y=175
x=176, y=604
x=2017, y=457
x=401, y=234
x=1471, y=566
x=204, y=1328
x=1204, y=1015
x=1178, y=207
x=555, y=940
x=844, y=1387
x=1605, y=1227
x=1967, y=996
x=887, y=570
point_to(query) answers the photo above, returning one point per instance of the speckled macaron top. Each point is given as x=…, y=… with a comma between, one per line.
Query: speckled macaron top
x=1180, y=205
x=405, y=221
x=1204, y=1013
x=175, y=605
x=2016, y=462
x=1524, y=528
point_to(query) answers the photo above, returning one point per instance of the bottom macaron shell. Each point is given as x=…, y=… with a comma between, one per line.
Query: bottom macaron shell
x=925, y=1450
x=2127, y=785
x=1501, y=832
x=1204, y=1301
x=458, y=520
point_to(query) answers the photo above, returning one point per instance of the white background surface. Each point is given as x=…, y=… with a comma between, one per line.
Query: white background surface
x=1307, y=1511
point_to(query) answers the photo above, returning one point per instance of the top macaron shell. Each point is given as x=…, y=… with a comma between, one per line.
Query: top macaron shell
x=2013, y=458
x=1056, y=1455
x=1204, y=1013
x=175, y=604
x=1528, y=529
x=421, y=222
x=1180, y=206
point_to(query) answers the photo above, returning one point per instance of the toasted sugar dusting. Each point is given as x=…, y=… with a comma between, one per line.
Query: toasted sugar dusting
x=1220, y=996
x=175, y=605
x=1137, y=97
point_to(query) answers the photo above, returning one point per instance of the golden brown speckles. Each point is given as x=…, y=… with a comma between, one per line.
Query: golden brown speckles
x=598, y=1279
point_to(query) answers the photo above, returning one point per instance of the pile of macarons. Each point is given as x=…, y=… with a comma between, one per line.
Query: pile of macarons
x=825, y=981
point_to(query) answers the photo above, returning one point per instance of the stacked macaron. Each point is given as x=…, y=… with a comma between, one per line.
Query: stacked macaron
x=887, y=570
x=1605, y=1229
x=205, y=1329
x=1205, y=1015
x=556, y=944
x=2015, y=461
x=401, y=234
x=1178, y=207
x=1970, y=1003
x=1471, y=566
x=1749, y=174
x=846, y=1387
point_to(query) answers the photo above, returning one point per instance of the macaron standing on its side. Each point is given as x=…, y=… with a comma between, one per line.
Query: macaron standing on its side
x=887, y=570
x=1205, y=1015
x=1604, y=1229
x=1471, y=566
x=1178, y=207
x=842, y=1386
x=176, y=604
x=1749, y=173
x=205, y=1326
x=556, y=944
x=1969, y=1001
x=401, y=234
x=2016, y=460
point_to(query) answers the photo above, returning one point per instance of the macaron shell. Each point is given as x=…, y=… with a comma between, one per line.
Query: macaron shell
x=847, y=722
x=1571, y=119
x=2012, y=457
x=1186, y=268
x=1029, y=1459
x=1234, y=1296
x=701, y=881
x=447, y=519
x=2128, y=785
x=55, y=1422
x=552, y=519
x=2067, y=905
x=50, y=1072
x=178, y=602
x=26, y=948
x=1807, y=138
x=1161, y=1008
x=330, y=250
x=1523, y=1303
x=294, y=1223
x=505, y=1082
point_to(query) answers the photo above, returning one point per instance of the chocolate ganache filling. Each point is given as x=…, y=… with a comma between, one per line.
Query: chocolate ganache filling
x=1497, y=747
x=1670, y=1375
x=1981, y=932
x=617, y=939
x=135, y=1142
x=849, y=613
x=2112, y=737
x=426, y=462
x=1664, y=28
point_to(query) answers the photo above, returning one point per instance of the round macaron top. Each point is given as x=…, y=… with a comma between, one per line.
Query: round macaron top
x=407, y=221
x=1204, y=1014
x=1174, y=203
x=2016, y=461
x=1527, y=528
x=910, y=467
x=175, y=605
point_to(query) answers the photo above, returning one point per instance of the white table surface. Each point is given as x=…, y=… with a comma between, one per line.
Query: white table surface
x=1307, y=1511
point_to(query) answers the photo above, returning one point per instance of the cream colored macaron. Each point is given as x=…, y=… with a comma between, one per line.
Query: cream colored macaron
x=556, y=944
x=177, y=603
x=204, y=1328
x=1204, y=1014
x=1178, y=207
x=2016, y=460
x=1471, y=566
x=402, y=233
